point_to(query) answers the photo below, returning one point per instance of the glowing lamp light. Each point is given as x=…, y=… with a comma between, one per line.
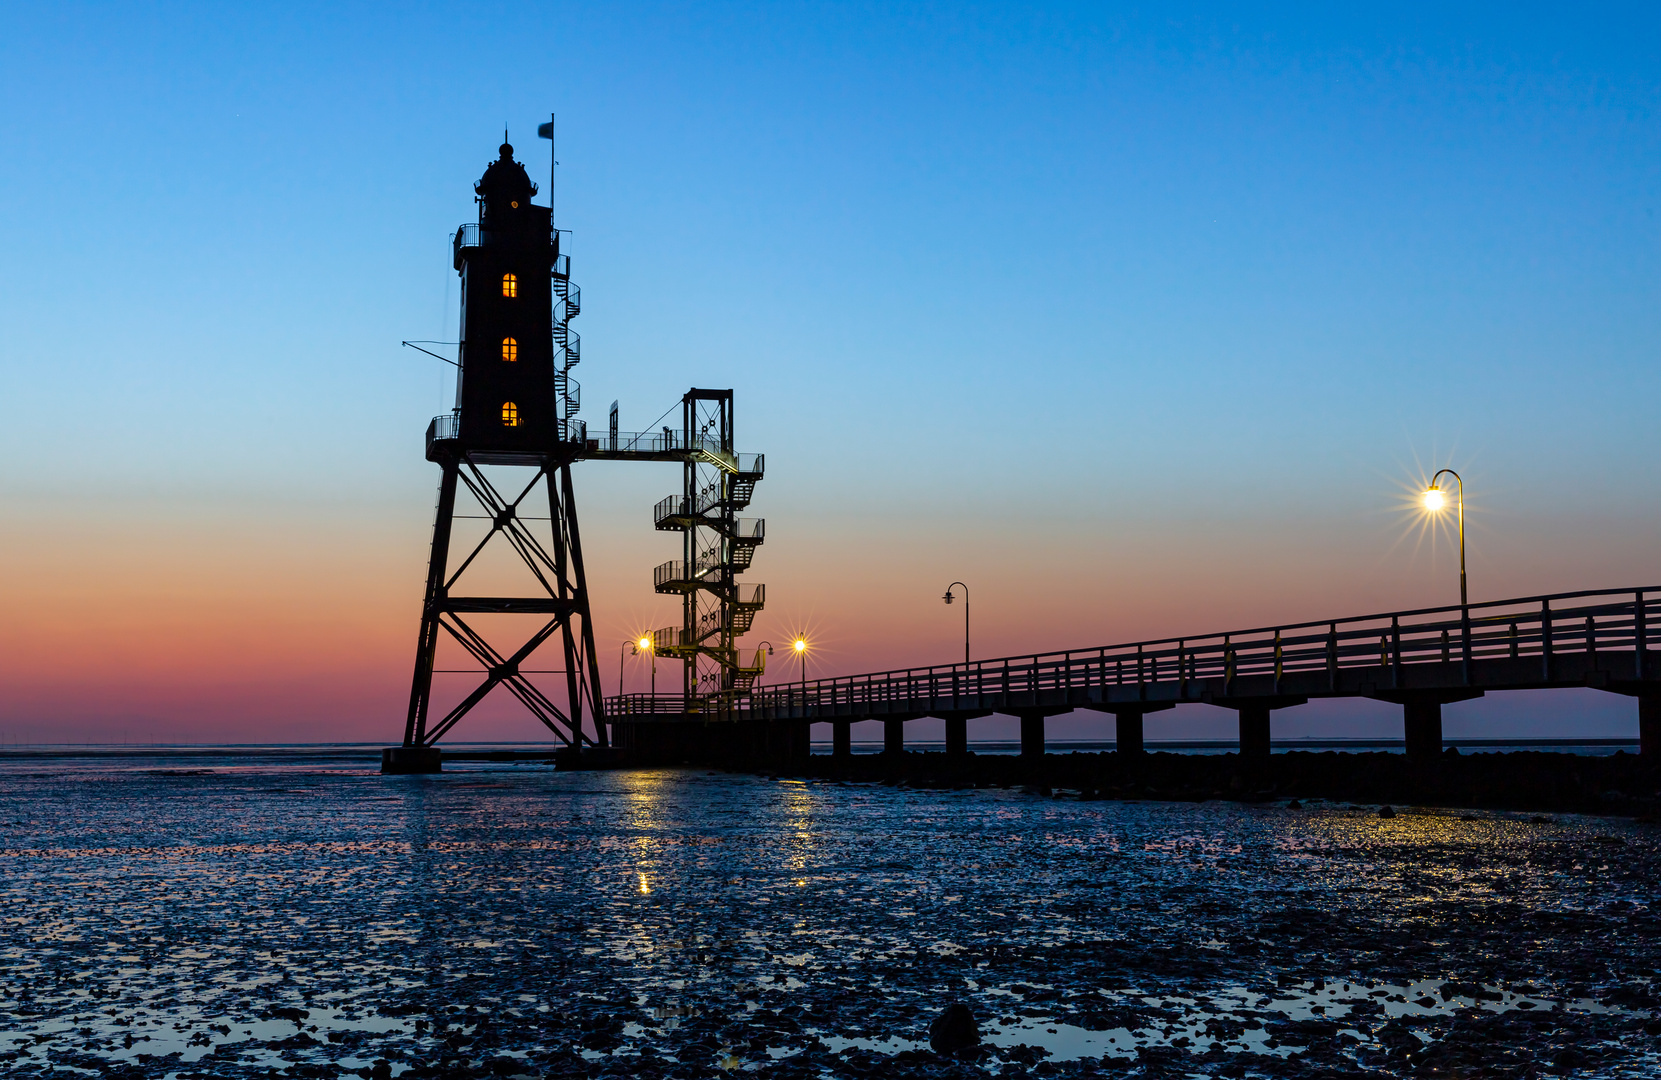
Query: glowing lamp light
x=1434, y=499
x=800, y=645
x=645, y=644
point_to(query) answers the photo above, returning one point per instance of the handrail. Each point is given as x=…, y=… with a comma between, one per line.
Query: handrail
x=1536, y=626
x=471, y=235
x=748, y=467
x=448, y=426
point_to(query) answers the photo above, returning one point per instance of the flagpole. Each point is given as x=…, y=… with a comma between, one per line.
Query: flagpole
x=546, y=131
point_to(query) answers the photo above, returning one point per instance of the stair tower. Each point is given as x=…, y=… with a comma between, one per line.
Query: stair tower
x=509, y=442
x=716, y=546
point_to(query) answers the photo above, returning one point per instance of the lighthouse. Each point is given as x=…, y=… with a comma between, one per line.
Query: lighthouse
x=511, y=437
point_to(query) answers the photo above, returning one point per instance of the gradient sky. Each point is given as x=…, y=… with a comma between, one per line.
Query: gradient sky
x=1140, y=321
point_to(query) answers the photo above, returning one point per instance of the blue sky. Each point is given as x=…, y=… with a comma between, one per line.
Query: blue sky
x=1138, y=318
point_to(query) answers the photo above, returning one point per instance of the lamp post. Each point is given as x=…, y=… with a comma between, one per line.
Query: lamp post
x=949, y=598
x=642, y=645
x=768, y=645
x=800, y=645
x=1435, y=499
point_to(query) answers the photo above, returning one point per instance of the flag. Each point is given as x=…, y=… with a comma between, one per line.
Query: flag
x=545, y=131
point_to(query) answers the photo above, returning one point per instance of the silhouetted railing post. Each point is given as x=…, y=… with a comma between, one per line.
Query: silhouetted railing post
x=1332, y=656
x=1395, y=652
x=1545, y=640
x=1640, y=642
x=1465, y=648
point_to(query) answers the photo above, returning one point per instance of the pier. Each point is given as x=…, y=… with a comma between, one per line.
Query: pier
x=1420, y=659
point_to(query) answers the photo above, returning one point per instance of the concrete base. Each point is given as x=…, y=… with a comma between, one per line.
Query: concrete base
x=592, y=757
x=1254, y=732
x=842, y=738
x=411, y=760
x=1127, y=732
x=1649, y=726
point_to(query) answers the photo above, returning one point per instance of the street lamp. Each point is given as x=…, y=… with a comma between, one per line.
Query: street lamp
x=641, y=645
x=1435, y=500
x=800, y=645
x=949, y=598
x=768, y=645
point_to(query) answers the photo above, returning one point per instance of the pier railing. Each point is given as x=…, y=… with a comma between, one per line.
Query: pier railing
x=1578, y=638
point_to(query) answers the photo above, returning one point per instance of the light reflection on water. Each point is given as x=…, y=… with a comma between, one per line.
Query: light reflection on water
x=603, y=914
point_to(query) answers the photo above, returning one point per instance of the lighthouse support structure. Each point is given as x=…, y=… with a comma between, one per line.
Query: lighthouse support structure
x=516, y=407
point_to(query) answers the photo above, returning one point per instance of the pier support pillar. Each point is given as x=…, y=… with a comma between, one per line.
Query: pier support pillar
x=1254, y=732
x=1649, y=726
x=798, y=744
x=1422, y=724
x=893, y=737
x=842, y=738
x=957, y=737
x=1032, y=736
x=1422, y=718
x=1127, y=732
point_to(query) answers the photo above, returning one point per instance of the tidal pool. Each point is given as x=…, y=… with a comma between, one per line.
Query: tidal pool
x=241, y=915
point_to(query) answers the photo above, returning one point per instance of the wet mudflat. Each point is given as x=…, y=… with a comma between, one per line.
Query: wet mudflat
x=231, y=920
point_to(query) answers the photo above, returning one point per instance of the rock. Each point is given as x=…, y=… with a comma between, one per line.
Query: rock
x=1294, y=805
x=1386, y=812
x=954, y=1029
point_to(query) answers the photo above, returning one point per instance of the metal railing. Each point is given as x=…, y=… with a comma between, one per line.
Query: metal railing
x=673, y=506
x=672, y=637
x=570, y=341
x=572, y=297
x=670, y=441
x=748, y=531
x=1535, y=631
x=676, y=570
x=448, y=426
x=444, y=426
x=645, y=705
x=472, y=235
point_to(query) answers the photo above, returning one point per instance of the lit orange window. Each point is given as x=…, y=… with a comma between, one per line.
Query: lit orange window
x=510, y=414
x=510, y=350
x=510, y=286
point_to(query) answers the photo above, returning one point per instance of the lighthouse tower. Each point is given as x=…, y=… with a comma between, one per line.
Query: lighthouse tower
x=512, y=436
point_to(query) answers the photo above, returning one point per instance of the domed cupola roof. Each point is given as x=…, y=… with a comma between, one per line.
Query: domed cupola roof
x=504, y=184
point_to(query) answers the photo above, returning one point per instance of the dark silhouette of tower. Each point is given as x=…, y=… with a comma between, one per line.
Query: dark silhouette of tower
x=512, y=435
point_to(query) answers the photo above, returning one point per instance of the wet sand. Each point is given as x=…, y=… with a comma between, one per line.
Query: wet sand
x=242, y=918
